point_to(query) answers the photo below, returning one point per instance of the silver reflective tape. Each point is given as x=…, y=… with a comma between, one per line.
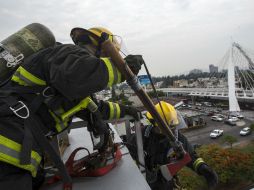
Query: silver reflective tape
x=15, y=154
x=27, y=81
x=92, y=106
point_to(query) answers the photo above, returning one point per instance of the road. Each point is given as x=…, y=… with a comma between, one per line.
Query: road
x=201, y=136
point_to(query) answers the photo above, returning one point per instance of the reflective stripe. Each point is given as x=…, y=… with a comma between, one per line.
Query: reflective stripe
x=10, y=153
x=118, y=111
x=197, y=163
x=113, y=74
x=114, y=110
x=119, y=77
x=62, y=118
x=22, y=76
x=83, y=104
x=18, y=80
x=92, y=106
x=60, y=124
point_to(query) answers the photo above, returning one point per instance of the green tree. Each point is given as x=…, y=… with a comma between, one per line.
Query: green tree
x=232, y=165
x=252, y=127
x=229, y=140
x=190, y=180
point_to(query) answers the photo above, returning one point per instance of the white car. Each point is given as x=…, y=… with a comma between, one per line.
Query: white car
x=216, y=133
x=239, y=116
x=245, y=131
x=216, y=118
x=221, y=116
x=233, y=119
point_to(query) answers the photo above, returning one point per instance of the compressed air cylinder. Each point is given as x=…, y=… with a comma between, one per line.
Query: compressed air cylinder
x=18, y=46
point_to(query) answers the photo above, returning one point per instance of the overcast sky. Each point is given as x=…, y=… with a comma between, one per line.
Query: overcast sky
x=174, y=36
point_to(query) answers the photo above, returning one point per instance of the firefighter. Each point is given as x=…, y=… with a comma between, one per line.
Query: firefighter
x=159, y=152
x=41, y=98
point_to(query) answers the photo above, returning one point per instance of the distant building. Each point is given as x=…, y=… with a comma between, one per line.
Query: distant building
x=213, y=69
x=195, y=71
x=158, y=84
x=180, y=83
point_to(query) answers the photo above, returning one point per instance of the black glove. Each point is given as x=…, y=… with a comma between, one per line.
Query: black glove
x=134, y=62
x=209, y=174
x=132, y=111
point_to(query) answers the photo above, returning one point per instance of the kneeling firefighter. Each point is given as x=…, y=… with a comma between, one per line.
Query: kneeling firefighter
x=158, y=151
x=43, y=95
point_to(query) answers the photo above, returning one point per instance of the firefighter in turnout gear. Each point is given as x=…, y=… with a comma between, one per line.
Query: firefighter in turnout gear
x=43, y=95
x=158, y=151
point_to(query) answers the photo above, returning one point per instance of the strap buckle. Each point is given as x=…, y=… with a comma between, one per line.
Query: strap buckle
x=48, y=92
x=19, y=107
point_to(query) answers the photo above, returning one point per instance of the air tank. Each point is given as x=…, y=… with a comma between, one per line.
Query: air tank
x=25, y=42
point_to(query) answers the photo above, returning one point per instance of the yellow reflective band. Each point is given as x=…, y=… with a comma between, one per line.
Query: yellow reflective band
x=31, y=77
x=10, y=153
x=119, y=77
x=114, y=110
x=118, y=111
x=111, y=110
x=27, y=78
x=197, y=163
x=113, y=73
x=82, y=105
x=18, y=80
x=60, y=124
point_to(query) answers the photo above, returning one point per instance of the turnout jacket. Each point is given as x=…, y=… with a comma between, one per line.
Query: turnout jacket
x=157, y=151
x=69, y=74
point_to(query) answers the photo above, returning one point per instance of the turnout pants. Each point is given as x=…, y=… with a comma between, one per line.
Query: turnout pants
x=13, y=178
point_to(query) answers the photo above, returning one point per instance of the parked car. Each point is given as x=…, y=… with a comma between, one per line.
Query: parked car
x=208, y=104
x=245, y=131
x=210, y=113
x=232, y=118
x=216, y=133
x=216, y=118
x=229, y=122
x=239, y=116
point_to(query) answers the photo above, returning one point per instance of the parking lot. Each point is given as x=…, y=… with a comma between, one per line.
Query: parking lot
x=201, y=135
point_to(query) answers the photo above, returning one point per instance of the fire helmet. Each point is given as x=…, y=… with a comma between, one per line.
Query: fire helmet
x=93, y=36
x=169, y=111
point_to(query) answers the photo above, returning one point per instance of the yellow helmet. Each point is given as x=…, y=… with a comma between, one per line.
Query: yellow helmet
x=93, y=36
x=169, y=111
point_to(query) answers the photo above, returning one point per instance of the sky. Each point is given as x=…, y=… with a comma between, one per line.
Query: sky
x=173, y=36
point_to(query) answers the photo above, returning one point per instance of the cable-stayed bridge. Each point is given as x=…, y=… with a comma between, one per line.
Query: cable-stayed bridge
x=234, y=81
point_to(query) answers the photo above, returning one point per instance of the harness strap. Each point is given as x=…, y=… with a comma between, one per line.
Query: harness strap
x=27, y=145
x=33, y=129
x=35, y=125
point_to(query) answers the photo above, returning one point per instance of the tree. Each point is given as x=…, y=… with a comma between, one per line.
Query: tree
x=229, y=140
x=232, y=165
x=252, y=127
x=191, y=180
